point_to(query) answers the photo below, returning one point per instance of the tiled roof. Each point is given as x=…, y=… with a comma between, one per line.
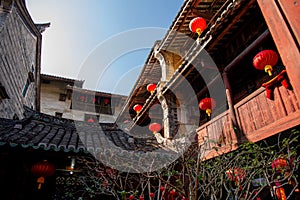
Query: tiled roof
x=78, y=83
x=41, y=131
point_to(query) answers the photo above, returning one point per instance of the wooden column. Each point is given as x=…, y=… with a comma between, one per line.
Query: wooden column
x=291, y=9
x=285, y=34
x=229, y=98
x=231, y=108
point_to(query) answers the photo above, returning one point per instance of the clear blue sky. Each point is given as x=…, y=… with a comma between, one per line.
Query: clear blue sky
x=78, y=27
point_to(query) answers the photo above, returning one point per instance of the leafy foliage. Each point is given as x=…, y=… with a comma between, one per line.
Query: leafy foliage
x=246, y=173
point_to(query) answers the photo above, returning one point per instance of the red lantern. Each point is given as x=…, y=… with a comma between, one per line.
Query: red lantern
x=131, y=197
x=82, y=98
x=151, y=195
x=162, y=188
x=90, y=120
x=141, y=197
x=42, y=169
x=236, y=174
x=207, y=104
x=265, y=60
x=279, y=164
x=106, y=101
x=151, y=87
x=154, y=127
x=137, y=108
x=197, y=25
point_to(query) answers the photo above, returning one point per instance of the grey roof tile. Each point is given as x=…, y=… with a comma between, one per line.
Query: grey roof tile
x=41, y=131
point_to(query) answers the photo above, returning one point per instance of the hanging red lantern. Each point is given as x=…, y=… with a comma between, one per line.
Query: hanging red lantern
x=90, y=120
x=151, y=87
x=207, y=104
x=141, y=197
x=279, y=164
x=131, y=197
x=197, y=25
x=265, y=60
x=236, y=174
x=82, y=98
x=42, y=169
x=154, y=127
x=162, y=188
x=137, y=108
x=106, y=101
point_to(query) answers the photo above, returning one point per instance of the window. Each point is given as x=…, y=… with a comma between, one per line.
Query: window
x=62, y=97
x=31, y=76
x=58, y=114
x=91, y=118
x=46, y=81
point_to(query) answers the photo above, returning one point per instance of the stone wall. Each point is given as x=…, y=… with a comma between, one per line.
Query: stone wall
x=18, y=58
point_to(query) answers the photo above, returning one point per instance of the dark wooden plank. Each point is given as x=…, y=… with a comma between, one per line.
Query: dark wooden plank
x=259, y=121
x=283, y=124
x=293, y=99
x=286, y=99
x=278, y=106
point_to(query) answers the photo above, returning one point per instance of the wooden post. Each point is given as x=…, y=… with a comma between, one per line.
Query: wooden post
x=285, y=38
x=231, y=106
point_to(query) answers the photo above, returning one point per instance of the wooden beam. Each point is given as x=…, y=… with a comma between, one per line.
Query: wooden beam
x=291, y=9
x=234, y=63
x=284, y=41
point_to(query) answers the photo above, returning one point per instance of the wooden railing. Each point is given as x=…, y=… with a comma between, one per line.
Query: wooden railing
x=217, y=133
x=258, y=118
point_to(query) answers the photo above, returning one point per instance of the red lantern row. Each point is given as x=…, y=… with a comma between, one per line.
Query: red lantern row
x=94, y=100
x=151, y=88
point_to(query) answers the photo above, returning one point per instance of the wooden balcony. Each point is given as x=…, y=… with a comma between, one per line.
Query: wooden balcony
x=257, y=118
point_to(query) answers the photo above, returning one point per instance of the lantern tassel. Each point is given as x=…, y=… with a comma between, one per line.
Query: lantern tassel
x=208, y=111
x=268, y=69
x=40, y=181
x=199, y=31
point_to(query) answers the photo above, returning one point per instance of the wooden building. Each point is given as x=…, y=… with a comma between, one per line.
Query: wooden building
x=218, y=64
x=186, y=67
